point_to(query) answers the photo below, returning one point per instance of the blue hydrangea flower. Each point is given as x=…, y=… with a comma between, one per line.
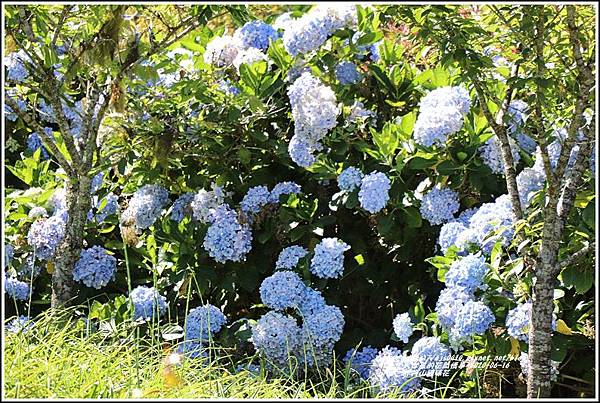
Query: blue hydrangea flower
x=97, y=181
x=37, y=212
x=44, y=236
x=358, y=113
x=403, y=327
x=206, y=202
x=489, y=218
x=374, y=192
x=221, y=51
x=283, y=188
x=449, y=234
x=255, y=199
x=15, y=288
x=181, y=206
x=227, y=87
x=11, y=114
x=347, y=73
x=256, y=34
x=467, y=273
x=328, y=260
x=289, y=257
x=95, y=267
x=491, y=154
x=311, y=303
x=34, y=142
x=315, y=112
x=9, y=254
x=226, y=238
x=324, y=326
x=517, y=321
x=350, y=178
x=429, y=354
x=301, y=151
x=204, y=322
x=283, y=289
x=526, y=143
x=473, y=318
x=310, y=31
x=107, y=206
x=440, y=114
x=276, y=337
x=449, y=304
x=147, y=302
x=250, y=56
x=20, y=324
x=391, y=369
x=15, y=66
x=145, y=206
x=360, y=360
x=439, y=205
x=529, y=181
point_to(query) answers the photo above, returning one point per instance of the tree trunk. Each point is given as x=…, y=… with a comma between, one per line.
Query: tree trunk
x=540, y=328
x=78, y=201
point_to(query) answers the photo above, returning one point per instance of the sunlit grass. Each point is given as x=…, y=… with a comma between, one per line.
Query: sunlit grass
x=59, y=358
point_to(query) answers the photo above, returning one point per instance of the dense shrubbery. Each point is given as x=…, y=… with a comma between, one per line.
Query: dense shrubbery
x=320, y=181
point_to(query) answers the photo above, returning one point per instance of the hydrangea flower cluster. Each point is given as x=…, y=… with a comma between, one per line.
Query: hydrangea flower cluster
x=227, y=238
x=429, y=354
x=360, y=360
x=15, y=288
x=227, y=87
x=181, y=206
x=358, y=112
x=310, y=31
x=450, y=301
x=250, y=56
x=277, y=336
x=517, y=321
x=95, y=267
x=440, y=114
x=529, y=181
x=374, y=192
x=34, y=142
x=491, y=153
x=439, y=205
x=320, y=331
x=467, y=273
x=105, y=207
x=15, y=65
x=350, y=178
x=328, y=260
x=11, y=114
x=97, y=181
x=147, y=302
x=256, y=34
x=206, y=202
x=255, y=199
x=37, y=212
x=347, y=73
x=315, y=111
x=20, y=324
x=204, y=322
x=449, y=234
x=221, y=51
x=524, y=362
x=283, y=188
x=44, y=236
x=289, y=257
x=391, y=369
x=9, y=254
x=283, y=289
x=474, y=317
x=492, y=217
x=403, y=327
x=145, y=206
x=283, y=21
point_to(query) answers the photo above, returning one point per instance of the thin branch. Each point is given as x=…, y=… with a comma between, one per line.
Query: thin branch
x=63, y=17
x=577, y=255
x=46, y=139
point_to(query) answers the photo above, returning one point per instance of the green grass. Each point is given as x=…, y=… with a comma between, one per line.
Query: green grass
x=58, y=358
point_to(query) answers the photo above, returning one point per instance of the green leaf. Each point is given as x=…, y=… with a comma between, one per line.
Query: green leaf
x=412, y=217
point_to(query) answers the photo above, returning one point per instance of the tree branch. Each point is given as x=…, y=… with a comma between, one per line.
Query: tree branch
x=47, y=140
x=61, y=21
x=577, y=255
